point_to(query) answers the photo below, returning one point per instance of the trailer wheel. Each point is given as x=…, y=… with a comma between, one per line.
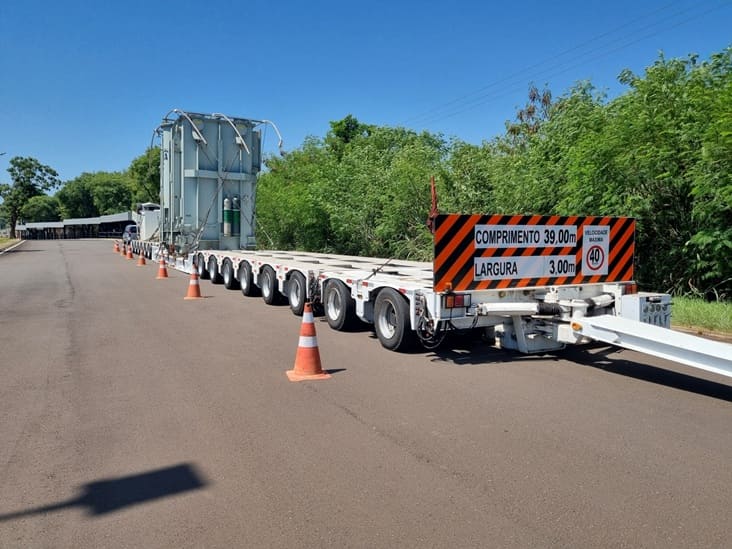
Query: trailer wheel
x=227, y=273
x=297, y=293
x=340, y=308
x=213, y=271
x=246, y=280
x=268, y=285
x=391, y=320
x=202, y=272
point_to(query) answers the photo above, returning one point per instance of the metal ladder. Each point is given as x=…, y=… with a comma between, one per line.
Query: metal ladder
x=705, y=354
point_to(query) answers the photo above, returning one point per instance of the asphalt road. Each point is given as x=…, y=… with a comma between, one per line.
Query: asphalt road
x=130, y=417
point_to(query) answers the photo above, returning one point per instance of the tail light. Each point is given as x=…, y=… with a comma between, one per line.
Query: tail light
x=455, y=301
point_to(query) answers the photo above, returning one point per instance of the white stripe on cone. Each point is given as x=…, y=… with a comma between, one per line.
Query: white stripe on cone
x=308, y=341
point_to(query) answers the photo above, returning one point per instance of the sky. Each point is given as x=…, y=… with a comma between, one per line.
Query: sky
x=84, y=84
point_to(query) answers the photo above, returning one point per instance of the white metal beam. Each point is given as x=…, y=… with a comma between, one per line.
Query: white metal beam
x=705, y=354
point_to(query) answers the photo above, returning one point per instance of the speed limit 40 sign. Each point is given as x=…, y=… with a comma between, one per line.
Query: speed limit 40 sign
x=595, y=248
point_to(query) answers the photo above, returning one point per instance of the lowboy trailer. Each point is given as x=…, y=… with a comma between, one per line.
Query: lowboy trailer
x=533, y=284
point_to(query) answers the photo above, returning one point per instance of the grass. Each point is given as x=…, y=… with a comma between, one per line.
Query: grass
x=697, y=313
x=5, y=242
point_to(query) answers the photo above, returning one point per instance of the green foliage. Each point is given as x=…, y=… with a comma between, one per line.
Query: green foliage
x=93, y=194
x=77, y=199
x=111, y=192
x=469, y=180
x=29, y=178
x=42, y=208
x=364, y=195
x=710, y=248
x=143, y=177
x=288, y=217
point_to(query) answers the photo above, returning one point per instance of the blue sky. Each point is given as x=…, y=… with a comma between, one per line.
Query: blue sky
x=83, y=84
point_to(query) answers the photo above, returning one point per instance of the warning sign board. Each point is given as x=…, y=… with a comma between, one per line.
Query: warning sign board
x=476, y=252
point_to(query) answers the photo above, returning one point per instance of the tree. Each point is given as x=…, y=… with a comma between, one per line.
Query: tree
x=111, y=192
x=469, y=182
x=77, y=198
x=288, y=216
x=710, y=249
x=530, y=118
x=93, y=194
x=144, y=176
x=343, y=132
x=363, y=190
x=42, y=208
x=30, y=178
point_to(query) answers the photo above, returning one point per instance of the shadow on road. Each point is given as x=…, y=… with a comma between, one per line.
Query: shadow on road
x=20, y=251
x=598, y=356
x=107, y=496
x=464, y=352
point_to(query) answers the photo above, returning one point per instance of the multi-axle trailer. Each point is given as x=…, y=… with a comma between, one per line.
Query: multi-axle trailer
x=529, y=283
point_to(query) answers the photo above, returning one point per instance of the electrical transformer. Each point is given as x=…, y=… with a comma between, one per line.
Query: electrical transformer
x=208, y=160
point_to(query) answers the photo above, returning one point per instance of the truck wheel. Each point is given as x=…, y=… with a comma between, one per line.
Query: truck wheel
x=227, y=273
x=391, y=320
x=268, y=285
x=202, y=272
x=246, y=280
x=297, y=293
x=213, y=271
x=340, y=308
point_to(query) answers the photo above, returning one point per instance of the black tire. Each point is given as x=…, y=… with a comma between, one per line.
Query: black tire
x=213, y=271
x=227, y=273
x=202, y=272
x=297, y=292
x=268, y=285
x=246, y=280
x=339, y=306
x=391, y=321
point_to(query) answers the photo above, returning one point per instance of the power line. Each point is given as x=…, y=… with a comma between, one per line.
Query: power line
x=529, y=68
x=479, y=97
x=487, y=98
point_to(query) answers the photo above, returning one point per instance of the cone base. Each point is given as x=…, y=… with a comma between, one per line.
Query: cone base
x=193, y=297
x=292, y=375
x=159, y=277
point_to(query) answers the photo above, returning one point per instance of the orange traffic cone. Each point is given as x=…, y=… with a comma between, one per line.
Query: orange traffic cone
x=129, y=252
x=307, y=359
x=141, y=260
x=123, y=250
x=194, y=289
x=162, y=271
x=116, y=247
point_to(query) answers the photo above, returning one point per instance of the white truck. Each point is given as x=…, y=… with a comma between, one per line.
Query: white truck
x=529, y=283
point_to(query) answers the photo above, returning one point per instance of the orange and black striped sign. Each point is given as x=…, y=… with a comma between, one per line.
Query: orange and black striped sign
x=482, y=252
